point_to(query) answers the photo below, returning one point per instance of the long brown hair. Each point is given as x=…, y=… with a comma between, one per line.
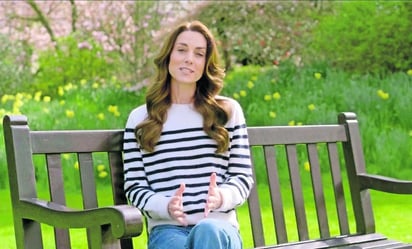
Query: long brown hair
x=158, y=98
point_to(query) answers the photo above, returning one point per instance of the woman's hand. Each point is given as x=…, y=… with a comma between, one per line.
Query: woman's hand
x=214, y=197
x=175, y=206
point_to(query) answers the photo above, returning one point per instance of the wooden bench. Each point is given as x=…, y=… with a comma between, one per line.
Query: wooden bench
x=322, y=162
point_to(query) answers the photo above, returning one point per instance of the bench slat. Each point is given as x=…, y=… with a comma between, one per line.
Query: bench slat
x=296, y=185
x=275, y=194
x=76, y=141
x=338, y=188
x=318, y=190
x=88, y=182
x=254, y=211
x=56, y=188
x=269, y=135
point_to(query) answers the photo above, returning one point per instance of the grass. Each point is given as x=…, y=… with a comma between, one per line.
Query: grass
x=393, y=224
x=284, y=95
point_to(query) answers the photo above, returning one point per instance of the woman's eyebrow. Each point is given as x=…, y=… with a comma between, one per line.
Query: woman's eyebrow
x=184, y=44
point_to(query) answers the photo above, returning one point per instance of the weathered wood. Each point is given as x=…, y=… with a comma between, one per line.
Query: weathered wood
x=107, y=226
x=329, y=152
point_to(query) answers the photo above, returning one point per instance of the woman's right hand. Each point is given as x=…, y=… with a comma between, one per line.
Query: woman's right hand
x=175, y=206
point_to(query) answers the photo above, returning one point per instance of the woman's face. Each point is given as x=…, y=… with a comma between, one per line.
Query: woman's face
x=188, y=58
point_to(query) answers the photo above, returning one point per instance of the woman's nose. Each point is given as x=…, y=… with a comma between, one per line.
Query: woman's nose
x=189, y=58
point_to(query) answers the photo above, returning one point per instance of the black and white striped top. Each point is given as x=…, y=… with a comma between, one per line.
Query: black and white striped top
x=186, y=154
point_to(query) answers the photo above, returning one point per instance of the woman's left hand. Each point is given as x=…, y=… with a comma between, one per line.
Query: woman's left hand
x=214, y=197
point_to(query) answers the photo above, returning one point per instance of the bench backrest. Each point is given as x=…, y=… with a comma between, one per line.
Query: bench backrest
x=31, y=153
x=286, y=159
x=310, y=183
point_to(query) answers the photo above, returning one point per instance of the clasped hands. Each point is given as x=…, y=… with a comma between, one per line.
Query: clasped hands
x=214, y=201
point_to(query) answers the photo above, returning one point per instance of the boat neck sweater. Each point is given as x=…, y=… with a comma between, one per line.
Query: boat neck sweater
x=186, y=154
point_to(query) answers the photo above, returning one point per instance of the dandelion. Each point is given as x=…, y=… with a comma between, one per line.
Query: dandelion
x=69, y=113
x=95, y=85
x=83, y=82
x=76, y=165
x=243, y=93
x=272, y=114
x=311, y=107
x=299, y=123
x=100, y=116
x=236, y=96
x=409, y=72
x=317, y=75
x=383, y=95
x=267, y=97
x=291, y=123
x=62, y=102
x=306, y=166
x=276, y=95
x=250, y=84
x=46, y=99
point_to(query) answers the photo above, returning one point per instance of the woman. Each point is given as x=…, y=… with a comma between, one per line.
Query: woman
x=186, y=154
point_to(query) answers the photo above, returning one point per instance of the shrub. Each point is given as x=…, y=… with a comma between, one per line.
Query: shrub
x=366, y=37
x=14, y=65
x=71, y=63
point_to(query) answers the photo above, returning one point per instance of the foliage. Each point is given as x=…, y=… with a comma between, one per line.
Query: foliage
x=366, y=37
x=14, y=69
x=72, y=62
x=259, y=33
x=290, y=95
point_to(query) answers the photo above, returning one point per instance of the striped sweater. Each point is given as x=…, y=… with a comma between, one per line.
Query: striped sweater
x=184, y=153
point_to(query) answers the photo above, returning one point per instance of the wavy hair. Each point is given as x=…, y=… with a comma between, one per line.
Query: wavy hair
x=215, y=112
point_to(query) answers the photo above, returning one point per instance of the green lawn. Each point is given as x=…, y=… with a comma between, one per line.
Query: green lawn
x=393, y=218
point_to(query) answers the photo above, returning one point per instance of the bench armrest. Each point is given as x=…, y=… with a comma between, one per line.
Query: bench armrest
x=124, y=220
x=385, y=184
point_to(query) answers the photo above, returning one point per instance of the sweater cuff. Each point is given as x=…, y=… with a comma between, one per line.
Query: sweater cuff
x=159, y=207
x=227, y=199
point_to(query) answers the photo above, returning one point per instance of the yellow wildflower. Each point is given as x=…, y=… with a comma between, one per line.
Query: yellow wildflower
x=62, y=102
x=272, y=114
x=37, y=96
x=276, y=95
x=268, y=97
x=83, y=82
x=101, y=167
x=383, y=95
x=236, y=96
x=306, y=166
x=76, y=165
x=409, y=72
x=291, y=123
x=46, y=99
x=243, y=93
x=60, y=91
x=100, y=116
x=68, y=87
x=410, y=132
x=103, y=174
x=46, y=110
x=317, y=75
x=253, y=78
x=250, y=84
x=69, y=113
x=299, y=123
x=311, y=107
x=66, y=156
x=95, y=85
